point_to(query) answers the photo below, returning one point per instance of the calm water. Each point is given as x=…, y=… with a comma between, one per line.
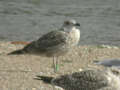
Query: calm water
x=26, y=20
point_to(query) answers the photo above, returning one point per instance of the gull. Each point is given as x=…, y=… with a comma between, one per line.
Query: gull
x=55, y=43
x=109, y=63
x=89, y=79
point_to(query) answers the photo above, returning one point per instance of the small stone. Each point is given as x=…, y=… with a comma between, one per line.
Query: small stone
x=59, y=88
x=33, y=88
x=80, y=69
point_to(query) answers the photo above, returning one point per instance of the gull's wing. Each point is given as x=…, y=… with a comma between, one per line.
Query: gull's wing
x=109, y=62
x=85, y=80
x=48, y=41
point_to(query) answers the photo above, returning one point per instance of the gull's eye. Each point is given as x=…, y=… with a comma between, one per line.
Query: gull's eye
x=67, y=23
x=116, y=72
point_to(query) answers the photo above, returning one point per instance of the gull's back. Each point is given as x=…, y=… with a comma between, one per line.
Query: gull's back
x=54, y=42
x=89, y=80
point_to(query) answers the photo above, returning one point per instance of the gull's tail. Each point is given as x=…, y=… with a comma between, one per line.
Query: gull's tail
x=17, y=52
x=45, y=79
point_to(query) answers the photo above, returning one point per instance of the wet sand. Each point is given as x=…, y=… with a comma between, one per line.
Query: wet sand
x=18, y=72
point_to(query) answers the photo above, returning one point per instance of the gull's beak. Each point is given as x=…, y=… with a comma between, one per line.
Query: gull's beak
x=77, y=24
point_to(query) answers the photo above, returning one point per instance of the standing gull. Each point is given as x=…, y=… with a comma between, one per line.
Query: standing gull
x=55, y=43
x=90, y=79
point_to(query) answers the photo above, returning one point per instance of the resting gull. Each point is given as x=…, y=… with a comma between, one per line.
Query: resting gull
x=108, y=62
x=55, y=43
x=89, y=79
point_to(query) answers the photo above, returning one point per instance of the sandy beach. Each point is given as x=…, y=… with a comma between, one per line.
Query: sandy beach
x=18, y=72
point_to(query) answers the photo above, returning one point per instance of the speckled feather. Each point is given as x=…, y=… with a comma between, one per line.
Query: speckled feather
x=89, y=79
x=93, y=79
x=50, y=43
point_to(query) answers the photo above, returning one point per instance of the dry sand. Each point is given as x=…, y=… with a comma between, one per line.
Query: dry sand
x=18, y=72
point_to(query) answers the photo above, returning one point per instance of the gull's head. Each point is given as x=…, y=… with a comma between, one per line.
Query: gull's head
x=115, y=71
x=70, y=23
x=113, y=76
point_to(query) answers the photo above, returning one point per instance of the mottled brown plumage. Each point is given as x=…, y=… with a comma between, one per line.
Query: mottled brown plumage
x=91, y=79
x=55, y=43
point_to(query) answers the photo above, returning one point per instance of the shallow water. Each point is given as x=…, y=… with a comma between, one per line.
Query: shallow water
x=27, y=20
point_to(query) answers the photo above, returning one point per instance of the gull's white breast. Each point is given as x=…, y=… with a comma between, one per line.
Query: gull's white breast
x=75, y=35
